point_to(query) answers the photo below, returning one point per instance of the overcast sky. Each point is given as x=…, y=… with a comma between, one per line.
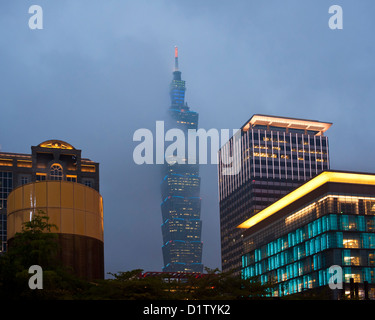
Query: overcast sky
x=99, y=70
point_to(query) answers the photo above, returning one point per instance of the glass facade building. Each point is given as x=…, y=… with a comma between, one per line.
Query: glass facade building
x=180, y=190
x=277, y=155
x=52, y=160
x=328, y=221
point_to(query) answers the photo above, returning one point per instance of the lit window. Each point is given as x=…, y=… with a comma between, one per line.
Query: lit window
x=351, y=243
x=371, y=259
x=356, y=277
x=354, y=261
x=71, y=178
x=56, y=172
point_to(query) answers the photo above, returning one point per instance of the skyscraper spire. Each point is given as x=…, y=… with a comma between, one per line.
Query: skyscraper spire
x=180, y=191
x=175, y=58
x=178, y=85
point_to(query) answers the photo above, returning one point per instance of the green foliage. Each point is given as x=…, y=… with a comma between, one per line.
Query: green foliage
x=130, y=286
x=224, y=285
x=38, y=245
x=212, y=285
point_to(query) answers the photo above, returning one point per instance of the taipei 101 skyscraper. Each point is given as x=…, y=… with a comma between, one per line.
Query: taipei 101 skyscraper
x=180, y=190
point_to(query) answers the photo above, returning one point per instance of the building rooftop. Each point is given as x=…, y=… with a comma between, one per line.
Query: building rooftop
x=56, y=144
x=284, y=122
x=49, y=144
x=309, y=186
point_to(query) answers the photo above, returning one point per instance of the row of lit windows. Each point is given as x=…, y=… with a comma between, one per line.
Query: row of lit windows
x=272, y=136
x=288, y=150
x=350, y=205
x=311, y=238
x=364, y=239
x=185, y=182
x=178, y=251
x=293, y=256
x=282, y=156
x=357, y=257
x=310, y=267
x=178, y=83
x=56, y=173
x=311, y=248
x=317, y=279
x=289, y=166
x=180, y=223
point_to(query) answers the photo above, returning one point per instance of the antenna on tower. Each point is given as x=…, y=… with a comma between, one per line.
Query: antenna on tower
x=175, y=58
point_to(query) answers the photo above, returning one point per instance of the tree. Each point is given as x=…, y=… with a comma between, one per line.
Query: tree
x=215, y=284
x=130, y=285
x=36, y=244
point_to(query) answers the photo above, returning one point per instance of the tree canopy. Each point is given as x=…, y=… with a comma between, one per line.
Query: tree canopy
x=37, y=244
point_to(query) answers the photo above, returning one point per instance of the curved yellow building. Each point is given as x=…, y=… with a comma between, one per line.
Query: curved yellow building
x=76, y=210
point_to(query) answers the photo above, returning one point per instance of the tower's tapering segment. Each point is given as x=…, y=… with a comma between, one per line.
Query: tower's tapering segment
x=176, y=59
x=180, y=189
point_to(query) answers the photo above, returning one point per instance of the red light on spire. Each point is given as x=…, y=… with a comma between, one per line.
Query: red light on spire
x=175, y=58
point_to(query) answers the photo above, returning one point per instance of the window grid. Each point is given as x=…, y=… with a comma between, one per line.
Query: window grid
x=298, y=260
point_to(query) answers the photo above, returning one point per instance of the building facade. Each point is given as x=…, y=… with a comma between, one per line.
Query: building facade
x=277, y=155
x=55, y=178
x=327, y=222
x=180, y=190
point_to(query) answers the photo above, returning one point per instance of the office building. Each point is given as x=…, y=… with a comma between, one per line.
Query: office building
x=180, y=190
x=329, y=221
x=55, y=178
x=277, y=154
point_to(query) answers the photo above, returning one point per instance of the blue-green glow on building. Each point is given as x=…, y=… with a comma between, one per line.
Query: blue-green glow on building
x=333, y=225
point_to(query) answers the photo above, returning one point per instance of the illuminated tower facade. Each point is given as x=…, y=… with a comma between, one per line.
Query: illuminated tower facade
x=180, y=190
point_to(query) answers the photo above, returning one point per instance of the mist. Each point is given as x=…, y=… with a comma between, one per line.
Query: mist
x=100, y=70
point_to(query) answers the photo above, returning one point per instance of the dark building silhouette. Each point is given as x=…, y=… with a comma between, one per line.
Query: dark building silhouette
x=180, y=189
